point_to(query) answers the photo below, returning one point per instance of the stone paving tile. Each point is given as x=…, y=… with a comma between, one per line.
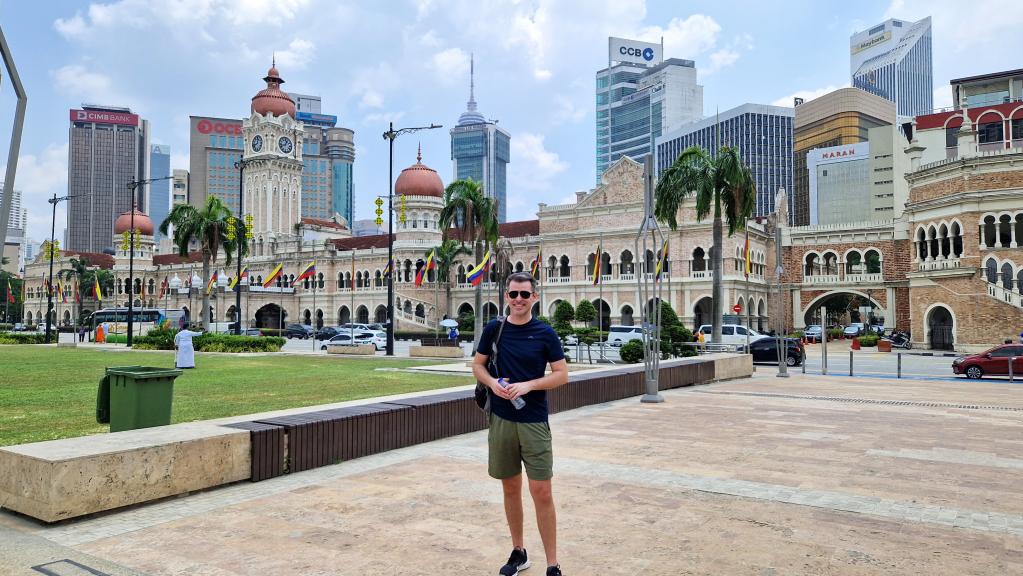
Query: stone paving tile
x=702, y=484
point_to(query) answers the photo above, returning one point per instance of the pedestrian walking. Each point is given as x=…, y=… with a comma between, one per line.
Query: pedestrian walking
x=81, y=333
x=511, y=361
x=184, y=350
x=453, y=333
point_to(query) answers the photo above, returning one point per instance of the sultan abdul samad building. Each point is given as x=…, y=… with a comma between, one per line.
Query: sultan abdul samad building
x=949, y=269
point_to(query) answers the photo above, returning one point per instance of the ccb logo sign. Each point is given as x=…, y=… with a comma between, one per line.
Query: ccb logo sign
x=646, y=53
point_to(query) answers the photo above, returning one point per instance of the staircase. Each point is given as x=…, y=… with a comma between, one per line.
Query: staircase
x=999, y=292
x=409, y=320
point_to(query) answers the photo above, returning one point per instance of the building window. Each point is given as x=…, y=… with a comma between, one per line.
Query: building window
x=952, y=137
x=990, y=132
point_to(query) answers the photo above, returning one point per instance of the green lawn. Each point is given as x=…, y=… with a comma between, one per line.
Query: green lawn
x=48, y=393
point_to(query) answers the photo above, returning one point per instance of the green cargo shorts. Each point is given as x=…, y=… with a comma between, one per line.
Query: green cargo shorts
x=513, y=444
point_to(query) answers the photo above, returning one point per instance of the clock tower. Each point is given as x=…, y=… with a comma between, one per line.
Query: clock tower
x=273, y=156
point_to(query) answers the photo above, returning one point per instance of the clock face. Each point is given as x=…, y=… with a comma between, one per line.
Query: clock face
x=285, y=145
x=257, y=143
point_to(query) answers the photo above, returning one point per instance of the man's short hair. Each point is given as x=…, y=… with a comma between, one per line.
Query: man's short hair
x=521, y=277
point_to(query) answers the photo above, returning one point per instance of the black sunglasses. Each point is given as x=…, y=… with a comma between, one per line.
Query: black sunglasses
x=525, y=294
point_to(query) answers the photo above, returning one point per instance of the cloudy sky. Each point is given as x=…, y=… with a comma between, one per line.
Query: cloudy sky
x=408, y=61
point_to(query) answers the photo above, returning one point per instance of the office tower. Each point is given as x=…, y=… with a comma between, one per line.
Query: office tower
x=180, y=195
x=109, y=146
x=340, y=146
x=215, y=144
x=641, y=96
x=838, y=118
x=306, y=103
x=481, y=150
x=763, y=135
x=159, y=191
x=893, y=60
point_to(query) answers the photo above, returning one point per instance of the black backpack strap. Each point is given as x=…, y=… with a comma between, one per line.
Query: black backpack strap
x=497, y=340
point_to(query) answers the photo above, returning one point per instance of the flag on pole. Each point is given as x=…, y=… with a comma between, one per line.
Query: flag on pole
x=163, y=288
x=212, y=283
x=97, y=291
x=308, y=272
x=62, y=289
x=477, y=272
x=596, y=265
x=242, y=276
x=538, y=262
x=273, y=276
x=388, y=268
x=662, y=260
x=749, y=264
x=430, y=265
x=78, y=293
x=10, y=293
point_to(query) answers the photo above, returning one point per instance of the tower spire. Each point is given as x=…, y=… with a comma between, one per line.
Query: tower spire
x=419, y=155
x=472, y=83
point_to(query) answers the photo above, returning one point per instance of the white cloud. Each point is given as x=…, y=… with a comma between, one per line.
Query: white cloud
x=378, y=118
x=39, y=177
x=298, y=54
x=567, y=110
x=80, y=84
x=179, y=161
x=684, y=38
x=370, y=85
x=534, y=166
x=943, y=97
x=806, y=95
x=451, y=65
x=721, y=59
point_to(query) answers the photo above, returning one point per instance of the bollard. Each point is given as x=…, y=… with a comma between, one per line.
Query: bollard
x=803, y=363
x=1011, y=360
x=850, y=362
x=898, y=373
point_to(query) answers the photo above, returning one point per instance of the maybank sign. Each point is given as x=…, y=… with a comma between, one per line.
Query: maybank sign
x=622, y=50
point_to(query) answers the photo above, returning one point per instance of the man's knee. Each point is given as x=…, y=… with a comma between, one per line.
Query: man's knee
x=540, y=490
x=512, y=486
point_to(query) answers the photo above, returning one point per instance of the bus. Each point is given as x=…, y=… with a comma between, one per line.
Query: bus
x=115, y=320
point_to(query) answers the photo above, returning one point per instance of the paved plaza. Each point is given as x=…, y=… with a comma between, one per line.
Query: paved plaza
x=758, y=476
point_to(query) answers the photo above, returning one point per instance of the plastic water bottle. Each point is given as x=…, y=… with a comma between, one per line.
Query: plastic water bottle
x=518, y=403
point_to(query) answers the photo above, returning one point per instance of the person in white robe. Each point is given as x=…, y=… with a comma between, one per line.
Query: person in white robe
x=184, y=351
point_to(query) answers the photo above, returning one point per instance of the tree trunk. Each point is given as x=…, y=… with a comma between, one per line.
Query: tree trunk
x=477, y=325
x=717, y=280
x=205, y=293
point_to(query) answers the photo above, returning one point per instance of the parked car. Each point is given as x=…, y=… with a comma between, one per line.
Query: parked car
x=252, y=332
x=20, y=327
x=326, y=333
x=813, y=333
x=298, y=331
x=877, y=329
x=378, y=338
x=853, y=330
x=345, y=339
x=732, y=334
x=619, y=335
x=765, y=351
x=378, y=326
x=357, y=326
x=993, y=362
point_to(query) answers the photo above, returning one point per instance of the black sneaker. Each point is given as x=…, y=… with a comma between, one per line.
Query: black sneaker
x=517, y=562
x=554, y=570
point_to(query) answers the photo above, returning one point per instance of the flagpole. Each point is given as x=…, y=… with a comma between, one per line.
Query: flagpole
x=190, y=309
x=539, y=272
x=745, y=269
x=600, y=292
x=436, y=297
x=316, y=328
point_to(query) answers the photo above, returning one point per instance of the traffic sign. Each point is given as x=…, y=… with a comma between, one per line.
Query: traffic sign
x=737, y=308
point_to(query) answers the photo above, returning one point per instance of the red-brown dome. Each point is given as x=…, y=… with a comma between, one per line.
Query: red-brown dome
x=142, y=222
x=273, y=100
x=419, y=180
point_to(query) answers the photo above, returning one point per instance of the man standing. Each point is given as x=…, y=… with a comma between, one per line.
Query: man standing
x=519, y=431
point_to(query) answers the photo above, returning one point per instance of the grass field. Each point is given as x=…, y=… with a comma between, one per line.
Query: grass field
x=48, y=393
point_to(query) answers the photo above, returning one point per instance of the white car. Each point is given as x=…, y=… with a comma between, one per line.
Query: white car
x=619, y=335
x=376, y=337
x=732, y=334
x=345, y=339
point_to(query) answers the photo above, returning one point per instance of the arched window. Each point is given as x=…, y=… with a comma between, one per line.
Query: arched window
x=565, y=271
x=626, y=315
x=921, y=244
x=461, y=274
x=699, y=260
x=957, y=239
x=830, y=264
x=853, y=263
x=1007, y=276
x=873, y=262
x=990, y=231
x=811, y=265
x=945, y=243
x=1004, y=231
x=152, y=286
x=627, y=266
x=991, y=270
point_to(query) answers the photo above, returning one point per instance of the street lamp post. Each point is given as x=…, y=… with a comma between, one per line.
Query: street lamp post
x=134, y=185
x=390, y=135
x=52, y=255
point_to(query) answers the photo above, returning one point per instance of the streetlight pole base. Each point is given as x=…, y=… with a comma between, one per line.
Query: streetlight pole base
x=782, y=375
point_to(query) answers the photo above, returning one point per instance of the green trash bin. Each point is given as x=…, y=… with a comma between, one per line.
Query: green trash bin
x=139, y=396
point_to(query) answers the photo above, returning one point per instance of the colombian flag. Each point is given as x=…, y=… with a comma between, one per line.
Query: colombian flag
x=273, y=276
x=212, y=283
x=477, y=272
x=309, y=272
x=97, y=291
x=430, y=265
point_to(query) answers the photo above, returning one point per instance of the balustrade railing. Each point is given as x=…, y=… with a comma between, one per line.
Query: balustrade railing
x=1005, y=295
x=945, y=264
x=822, y=279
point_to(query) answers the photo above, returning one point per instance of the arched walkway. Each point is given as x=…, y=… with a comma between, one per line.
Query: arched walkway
x=271, y=316
x=845, y=306
x=380, y=315
x=940, y=328
x=702, y=312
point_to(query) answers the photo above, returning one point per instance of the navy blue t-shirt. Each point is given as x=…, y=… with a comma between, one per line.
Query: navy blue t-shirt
x=523, y=353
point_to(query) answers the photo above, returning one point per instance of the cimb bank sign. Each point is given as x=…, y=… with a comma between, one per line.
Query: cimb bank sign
x=622, y=50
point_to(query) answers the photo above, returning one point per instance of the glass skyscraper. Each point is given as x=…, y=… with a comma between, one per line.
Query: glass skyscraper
x=637, y=103
x=763, y=135
x=893, y=60
x=159, y=192
x=481, y=150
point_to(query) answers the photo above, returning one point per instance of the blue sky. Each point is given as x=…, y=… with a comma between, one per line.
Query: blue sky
x=408, y=61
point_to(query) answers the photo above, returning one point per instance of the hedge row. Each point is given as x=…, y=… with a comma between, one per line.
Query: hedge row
x=22, y=338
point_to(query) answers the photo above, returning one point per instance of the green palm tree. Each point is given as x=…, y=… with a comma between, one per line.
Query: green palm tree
x=445, y=258
x=468, y=209
x=722, y=184
x=82, y=272
x=208, y=226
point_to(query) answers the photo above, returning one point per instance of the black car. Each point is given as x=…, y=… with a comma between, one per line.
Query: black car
x=765, y=351
x=298, y=331
x=326, y=333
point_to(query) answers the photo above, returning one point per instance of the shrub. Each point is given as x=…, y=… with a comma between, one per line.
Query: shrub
x=632, y=352
x=236, y=344
x=544, y=319
x=116, y=338
x=798, y=334
x=466, y=322
x=160, y=338
x=22, y=338
x=869, y=340
x=835, y=333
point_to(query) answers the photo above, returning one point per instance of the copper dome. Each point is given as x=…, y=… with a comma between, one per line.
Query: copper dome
x=273, y=100
x=143, y=223
x=419, y=180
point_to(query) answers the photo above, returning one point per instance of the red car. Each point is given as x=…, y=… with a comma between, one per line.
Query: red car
x=994, y=362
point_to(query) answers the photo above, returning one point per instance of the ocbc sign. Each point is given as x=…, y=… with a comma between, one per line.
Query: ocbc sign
x=205, y=127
